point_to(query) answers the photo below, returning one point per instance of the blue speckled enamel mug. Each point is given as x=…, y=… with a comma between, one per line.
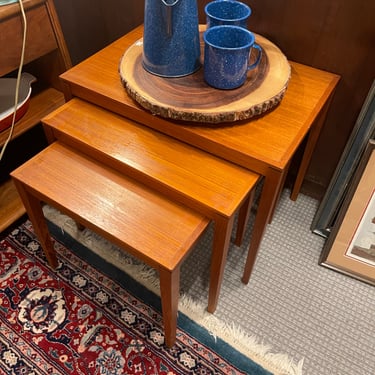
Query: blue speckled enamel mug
x=227, y=12
x=227, y=56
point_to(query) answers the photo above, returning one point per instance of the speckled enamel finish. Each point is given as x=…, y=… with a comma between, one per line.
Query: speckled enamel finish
x=171, y=37
x=227, y=52
x=227, y=12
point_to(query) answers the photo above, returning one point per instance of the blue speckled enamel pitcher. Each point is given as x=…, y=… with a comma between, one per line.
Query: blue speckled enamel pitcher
x=171, y=37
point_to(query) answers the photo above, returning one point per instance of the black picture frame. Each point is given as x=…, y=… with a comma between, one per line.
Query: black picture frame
x=363, y=131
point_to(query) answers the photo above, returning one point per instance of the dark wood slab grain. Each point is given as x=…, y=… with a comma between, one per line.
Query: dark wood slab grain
x=189, y=98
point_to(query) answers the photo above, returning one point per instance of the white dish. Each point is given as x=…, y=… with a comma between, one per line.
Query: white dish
x=7, y=98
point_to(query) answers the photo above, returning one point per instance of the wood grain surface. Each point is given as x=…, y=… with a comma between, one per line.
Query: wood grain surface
x=190, y=98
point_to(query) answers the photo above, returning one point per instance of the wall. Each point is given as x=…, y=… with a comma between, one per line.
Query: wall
x=333, y=35
x=89, y=25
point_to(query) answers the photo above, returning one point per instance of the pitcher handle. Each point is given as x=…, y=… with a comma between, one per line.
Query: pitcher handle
x=171, y=4
x=169, y=15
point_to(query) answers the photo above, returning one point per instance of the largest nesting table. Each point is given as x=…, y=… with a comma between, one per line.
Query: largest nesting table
x=264, y=144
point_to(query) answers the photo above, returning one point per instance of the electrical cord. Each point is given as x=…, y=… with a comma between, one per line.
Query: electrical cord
x=18, y=80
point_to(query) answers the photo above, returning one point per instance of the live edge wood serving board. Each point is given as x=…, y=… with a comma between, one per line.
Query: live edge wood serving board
x=189, y=98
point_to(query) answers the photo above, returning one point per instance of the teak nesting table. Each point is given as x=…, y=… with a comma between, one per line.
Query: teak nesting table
x=264, y=145
x=104, y=123
x=119, y=208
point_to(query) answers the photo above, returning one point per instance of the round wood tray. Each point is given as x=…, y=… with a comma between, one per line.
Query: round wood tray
x=190, y=98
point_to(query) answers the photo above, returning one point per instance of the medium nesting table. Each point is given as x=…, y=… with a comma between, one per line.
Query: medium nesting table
x=213, y=187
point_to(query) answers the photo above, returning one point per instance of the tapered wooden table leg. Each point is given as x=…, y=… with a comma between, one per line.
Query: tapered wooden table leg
x=221, y=240
x=169, y=291
x=312, y=139
x=34, y=209
x=243, y=218
x=281, y=185
x=267, y=201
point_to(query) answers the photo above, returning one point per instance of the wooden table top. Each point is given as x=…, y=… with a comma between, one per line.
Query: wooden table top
x=268, y=141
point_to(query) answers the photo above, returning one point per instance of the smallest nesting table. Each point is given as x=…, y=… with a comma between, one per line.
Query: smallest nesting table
x=118, y=208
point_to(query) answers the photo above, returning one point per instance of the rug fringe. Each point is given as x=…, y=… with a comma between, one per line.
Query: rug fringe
x=250, y=346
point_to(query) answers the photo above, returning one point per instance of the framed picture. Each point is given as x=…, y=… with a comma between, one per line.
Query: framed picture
x=350, y=248
x=363, y=130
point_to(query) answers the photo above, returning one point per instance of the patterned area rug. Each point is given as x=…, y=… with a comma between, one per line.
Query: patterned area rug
x=88, y=317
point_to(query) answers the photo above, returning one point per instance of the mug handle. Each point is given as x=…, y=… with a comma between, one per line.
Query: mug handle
x=255, y=64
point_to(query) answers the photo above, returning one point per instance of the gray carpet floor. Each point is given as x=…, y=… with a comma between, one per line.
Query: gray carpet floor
x=291, y=303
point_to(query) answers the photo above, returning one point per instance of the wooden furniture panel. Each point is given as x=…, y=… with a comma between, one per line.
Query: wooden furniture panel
x=40, y=38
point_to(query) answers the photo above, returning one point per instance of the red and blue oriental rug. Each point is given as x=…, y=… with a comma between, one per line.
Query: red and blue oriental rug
x=87, y=317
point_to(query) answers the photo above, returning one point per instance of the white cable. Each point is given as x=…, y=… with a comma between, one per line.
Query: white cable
x=18, y=80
